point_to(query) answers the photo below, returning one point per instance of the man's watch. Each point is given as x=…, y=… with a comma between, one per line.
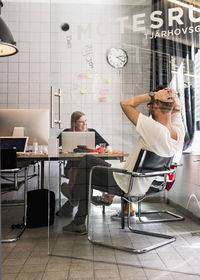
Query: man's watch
x=151, y=94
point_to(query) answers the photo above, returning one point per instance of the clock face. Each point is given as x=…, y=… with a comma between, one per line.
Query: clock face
x=117, y=58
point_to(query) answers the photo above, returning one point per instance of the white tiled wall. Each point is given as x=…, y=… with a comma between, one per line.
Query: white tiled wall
x=26, y=73
x=49, y=56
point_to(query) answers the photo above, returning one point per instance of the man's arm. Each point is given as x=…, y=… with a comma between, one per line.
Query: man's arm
x=129, y=106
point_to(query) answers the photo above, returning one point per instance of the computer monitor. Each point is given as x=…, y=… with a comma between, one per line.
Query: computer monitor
x=35, y=122
x=9, y=142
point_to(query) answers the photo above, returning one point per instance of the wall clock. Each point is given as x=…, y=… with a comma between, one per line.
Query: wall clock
x=117, y=58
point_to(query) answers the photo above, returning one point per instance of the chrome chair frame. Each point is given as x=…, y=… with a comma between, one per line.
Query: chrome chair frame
x=167, y=238
x=141, y=214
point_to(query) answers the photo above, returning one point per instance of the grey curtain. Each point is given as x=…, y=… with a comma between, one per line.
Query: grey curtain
x=183, y=49
x=189, y=116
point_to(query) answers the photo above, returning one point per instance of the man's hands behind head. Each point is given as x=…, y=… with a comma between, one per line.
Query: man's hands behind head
x=166, y=95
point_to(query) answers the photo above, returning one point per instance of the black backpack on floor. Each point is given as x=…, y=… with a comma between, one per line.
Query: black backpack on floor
x=37, y=208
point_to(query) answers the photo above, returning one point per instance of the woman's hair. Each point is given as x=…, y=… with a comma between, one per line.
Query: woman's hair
x=74, y=117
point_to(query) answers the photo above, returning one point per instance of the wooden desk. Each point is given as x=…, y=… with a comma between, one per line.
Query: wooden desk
x=67, y=156
x=62, y=157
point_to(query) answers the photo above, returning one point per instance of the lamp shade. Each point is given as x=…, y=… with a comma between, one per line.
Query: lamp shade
x=7, y=43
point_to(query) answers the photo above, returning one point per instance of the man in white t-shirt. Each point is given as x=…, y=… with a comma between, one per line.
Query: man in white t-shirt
x=162, y=134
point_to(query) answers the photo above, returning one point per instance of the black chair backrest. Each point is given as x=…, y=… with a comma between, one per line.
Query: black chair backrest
x=8, y=158
x=148, y=162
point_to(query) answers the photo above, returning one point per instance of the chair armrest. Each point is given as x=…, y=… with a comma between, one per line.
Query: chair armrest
x=14, y=170
x=148, y=174
x=175, y=164
x=152, y=174
x=133, y=174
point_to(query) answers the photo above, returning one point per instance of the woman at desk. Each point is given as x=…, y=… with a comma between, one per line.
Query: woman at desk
x=79, y=123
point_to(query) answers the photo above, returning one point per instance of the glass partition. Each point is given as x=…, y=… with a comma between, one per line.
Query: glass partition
x=101, y=53
x=97, y=59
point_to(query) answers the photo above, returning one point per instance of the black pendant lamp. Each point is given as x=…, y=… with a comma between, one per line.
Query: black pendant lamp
x=7, y=43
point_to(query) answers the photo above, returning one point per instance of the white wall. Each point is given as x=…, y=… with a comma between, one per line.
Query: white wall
x=186, y=189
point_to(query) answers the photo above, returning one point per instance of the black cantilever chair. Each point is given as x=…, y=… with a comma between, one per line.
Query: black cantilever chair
x=10, y=181
x=148, y=164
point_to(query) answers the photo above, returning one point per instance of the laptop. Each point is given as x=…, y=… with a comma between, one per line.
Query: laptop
x=9, y=142
x=71, y=139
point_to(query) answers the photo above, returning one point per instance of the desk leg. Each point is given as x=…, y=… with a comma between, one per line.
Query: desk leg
x=60, y=172
x=42, y=174
x=38, y=174
x=25, y=196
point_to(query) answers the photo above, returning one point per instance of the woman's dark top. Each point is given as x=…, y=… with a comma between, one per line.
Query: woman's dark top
x=75, y=163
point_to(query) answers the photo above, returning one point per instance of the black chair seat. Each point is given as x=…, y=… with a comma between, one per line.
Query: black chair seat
x=152, y=190
x=5, y=187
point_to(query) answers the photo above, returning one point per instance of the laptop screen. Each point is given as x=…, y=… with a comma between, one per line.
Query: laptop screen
x=70, y=140
x=20, y=143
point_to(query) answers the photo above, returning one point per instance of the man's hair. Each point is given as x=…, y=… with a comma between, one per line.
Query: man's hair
x=165, y=107
x=159, y=87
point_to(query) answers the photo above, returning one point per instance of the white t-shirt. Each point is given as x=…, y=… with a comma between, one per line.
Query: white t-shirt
x=154, y=137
